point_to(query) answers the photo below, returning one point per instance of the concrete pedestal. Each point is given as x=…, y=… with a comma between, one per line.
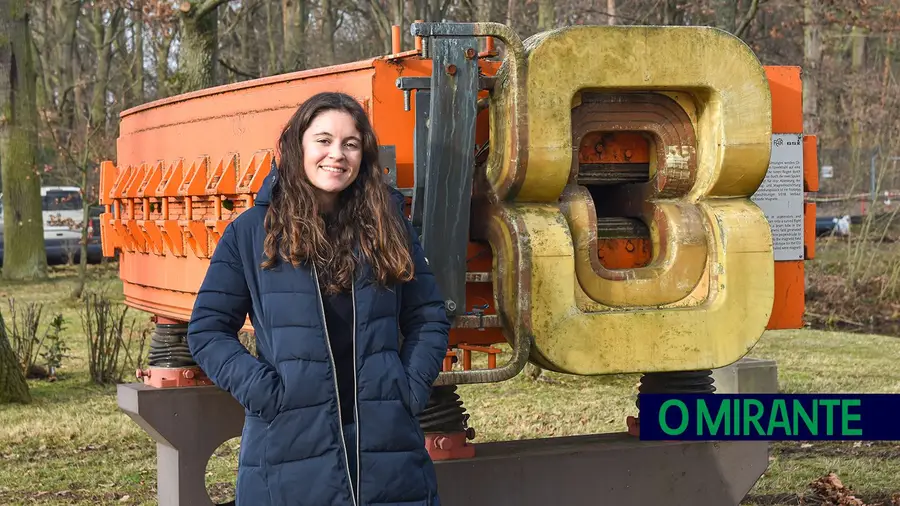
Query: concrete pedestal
x=747, y=376
x=188, y=424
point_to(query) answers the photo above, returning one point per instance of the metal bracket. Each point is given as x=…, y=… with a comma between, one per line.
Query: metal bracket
x=387, y=161
x=445, y=152
x=422, y=85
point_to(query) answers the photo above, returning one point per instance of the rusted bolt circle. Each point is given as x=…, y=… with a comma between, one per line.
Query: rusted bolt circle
x=188, y=374
x=470, y=53
x=451, y=69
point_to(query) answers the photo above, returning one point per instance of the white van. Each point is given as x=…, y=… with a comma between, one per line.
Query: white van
x=62, y=215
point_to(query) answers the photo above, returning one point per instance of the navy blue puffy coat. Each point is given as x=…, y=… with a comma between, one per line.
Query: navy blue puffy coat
x=292, y=451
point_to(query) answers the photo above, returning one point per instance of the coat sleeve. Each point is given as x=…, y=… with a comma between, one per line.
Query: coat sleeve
x=220, y=310
x=424, y=325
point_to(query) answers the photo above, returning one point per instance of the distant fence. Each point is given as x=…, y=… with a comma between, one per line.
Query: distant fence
x=854, y=204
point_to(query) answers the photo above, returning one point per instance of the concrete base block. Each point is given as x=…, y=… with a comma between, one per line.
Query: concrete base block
x=747, y=376
x=603, y=470
x=188, y=424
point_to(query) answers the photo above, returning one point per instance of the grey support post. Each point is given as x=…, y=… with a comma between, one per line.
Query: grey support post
x=188, y=424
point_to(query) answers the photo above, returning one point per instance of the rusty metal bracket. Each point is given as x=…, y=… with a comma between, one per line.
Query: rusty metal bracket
x=387, y=159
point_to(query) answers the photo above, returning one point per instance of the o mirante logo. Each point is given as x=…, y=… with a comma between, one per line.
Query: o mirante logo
x=717, y=417
x=749, y=417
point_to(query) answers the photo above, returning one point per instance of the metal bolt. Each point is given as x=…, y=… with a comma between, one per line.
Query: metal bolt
x=188, y=374
x=470, y=433
x=406, y=94
x=451, y=70
x=470, y=53
x=443, y=442
x=451, y=305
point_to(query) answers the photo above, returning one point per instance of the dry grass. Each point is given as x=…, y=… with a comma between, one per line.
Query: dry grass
x=73, y=445
x=818, y=361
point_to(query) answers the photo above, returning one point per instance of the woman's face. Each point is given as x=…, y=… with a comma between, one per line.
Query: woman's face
x=332, y=153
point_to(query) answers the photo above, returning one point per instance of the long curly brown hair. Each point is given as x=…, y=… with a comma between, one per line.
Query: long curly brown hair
x=365, y=225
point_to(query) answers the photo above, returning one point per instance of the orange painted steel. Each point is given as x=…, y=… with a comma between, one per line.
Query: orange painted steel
x=163, y=377
x=187, y=165
x=449, y=446
x=787, y=118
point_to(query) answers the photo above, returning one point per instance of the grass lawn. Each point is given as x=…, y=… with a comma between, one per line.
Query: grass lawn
x=73, y=446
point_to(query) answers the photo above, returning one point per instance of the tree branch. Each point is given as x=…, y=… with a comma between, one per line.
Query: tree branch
x=203, y=9
x=745, y=24
x=237, y=70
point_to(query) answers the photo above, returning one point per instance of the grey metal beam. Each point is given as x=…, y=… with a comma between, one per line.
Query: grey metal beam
x=607, y=469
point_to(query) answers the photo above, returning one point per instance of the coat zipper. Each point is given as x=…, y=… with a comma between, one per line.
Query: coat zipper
x=337, y=393
x=355, y=395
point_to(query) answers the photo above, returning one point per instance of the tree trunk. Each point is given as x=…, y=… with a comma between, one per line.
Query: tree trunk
x=328, y=27
x=138, y=61
x=672, y=14
x=23, y=232
x=65, y=61
x=104, y=27
x=546, y=15
x=812, y=56
x=486, y=10
x=13, y=387
x=857, y=59
x=162, y=48
x=276, y=63
x=198, y=56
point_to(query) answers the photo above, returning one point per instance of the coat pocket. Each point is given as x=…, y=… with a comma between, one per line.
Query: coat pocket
x=402, y=381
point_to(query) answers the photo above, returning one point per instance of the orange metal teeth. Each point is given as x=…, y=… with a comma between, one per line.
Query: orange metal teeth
x=162, y=209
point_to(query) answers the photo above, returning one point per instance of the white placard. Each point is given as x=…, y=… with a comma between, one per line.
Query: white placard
x=781, y=196
x=827, y=172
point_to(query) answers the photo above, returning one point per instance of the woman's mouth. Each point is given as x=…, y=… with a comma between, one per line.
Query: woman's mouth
x=333, y=170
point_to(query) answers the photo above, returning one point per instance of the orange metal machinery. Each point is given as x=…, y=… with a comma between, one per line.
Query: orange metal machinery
x=453, y=125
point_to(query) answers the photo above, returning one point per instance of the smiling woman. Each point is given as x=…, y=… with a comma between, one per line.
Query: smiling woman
x=331, y=275
x=332, y=152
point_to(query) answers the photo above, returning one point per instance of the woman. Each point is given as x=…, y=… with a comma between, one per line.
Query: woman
x=331, y=275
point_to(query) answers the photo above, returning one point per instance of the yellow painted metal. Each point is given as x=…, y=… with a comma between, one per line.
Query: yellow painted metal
x=532, y=151
x=707, y=295
x=534, y=254
x=673, y=274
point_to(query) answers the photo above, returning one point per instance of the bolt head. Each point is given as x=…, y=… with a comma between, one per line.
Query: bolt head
x=444, y=443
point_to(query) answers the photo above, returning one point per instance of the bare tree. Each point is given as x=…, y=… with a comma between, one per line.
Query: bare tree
x=24, y=256
x=199, y=49
x=13, y=387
